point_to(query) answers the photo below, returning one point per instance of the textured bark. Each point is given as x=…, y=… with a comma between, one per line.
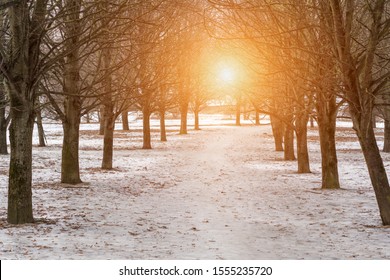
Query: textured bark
x=70, y=170
x=358, y=83
x=289, y=139
x=125, y=121
x=41, y=131
x=101, y=120
x=108, y=142
x=163, y=131
x=329, y=165
x=377, y=171
x=326, y=118
x=25, y=30
x=183, y=118
x=302, y=149
x=278, y=132
x=386, y=144
x=20, y=169
x=109, y=125
x=147, y=142
x=108, y=103
x=3, y=126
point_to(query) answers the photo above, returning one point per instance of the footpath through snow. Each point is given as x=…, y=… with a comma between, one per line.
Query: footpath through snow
x=221, y=193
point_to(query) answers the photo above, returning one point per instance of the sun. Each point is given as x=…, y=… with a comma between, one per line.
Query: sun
x=227, y=74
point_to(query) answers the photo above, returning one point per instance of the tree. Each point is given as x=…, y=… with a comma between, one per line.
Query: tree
x=358, y=27
x=20, y=68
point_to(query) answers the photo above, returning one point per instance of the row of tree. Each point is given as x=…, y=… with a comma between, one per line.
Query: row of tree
x=309, y=58
x=317, y=56
x=72, y=56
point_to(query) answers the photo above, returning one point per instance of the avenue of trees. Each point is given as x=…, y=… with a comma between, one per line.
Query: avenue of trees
x=306, y=60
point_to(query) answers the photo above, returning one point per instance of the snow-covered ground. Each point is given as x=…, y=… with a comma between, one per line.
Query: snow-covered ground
x=219, y=193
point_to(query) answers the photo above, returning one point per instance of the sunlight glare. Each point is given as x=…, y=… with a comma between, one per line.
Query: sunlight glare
x=227, y=74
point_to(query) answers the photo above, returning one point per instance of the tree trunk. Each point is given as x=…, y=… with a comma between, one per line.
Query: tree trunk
x=377, y=172
x=70, y=170
x=329, y=166
x=196, y=116
x=146, y=128
x=163, y=131
x=41, y=131
x=302, y=150
x=3, y=104
x=20, y=171
x=238, y=111
x=108, y=141
x=3, y=130
x=289, y=139
x=257, y=121
x=87, y=118
x=327, y=113
x=109, y=125
x=25, y=32
x=101, y=120
x=277, y=131
x=373, y=120
x=183, y=118
x=125, y=121
x=386, y=143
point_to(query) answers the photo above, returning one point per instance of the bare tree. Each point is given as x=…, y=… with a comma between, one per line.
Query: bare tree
x=358, y=27
x=20, y=66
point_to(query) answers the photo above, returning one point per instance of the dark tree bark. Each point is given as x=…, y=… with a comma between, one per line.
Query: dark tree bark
x=302, y=149
x=20, y=170
x=373, y=120
x=376, y=170
x=326, y=119
x=109, y=125
x=70, y=169
x=386, y=143
x=108, y=142
x=278, y=132
x=358, y=88
x=3, y=125
x=329, y=166
x=41, y=131
x=87, y=118
x=163, y=131
x=147, y=142
x=125, y=121
x=183, y=117
x=20, y=86
x=289, y=139
x=101, y=120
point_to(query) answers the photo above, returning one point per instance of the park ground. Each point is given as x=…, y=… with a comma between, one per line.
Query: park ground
x=218, y=193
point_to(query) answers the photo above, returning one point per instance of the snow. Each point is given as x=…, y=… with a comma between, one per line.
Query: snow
x=219, y=193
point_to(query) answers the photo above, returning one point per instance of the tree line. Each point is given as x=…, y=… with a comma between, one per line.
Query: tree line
x=320, y=56
x=309, y=58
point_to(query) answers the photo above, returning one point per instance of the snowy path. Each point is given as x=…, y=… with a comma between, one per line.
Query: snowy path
x=221, y=193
